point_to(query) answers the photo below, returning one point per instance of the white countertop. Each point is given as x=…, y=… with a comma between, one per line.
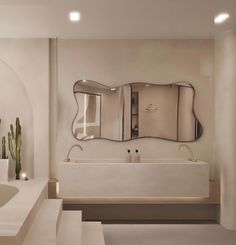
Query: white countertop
x=142, y=161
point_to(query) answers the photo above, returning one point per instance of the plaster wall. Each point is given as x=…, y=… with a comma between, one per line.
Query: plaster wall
x=225, y=121
x=117, y=62
x=28, y=59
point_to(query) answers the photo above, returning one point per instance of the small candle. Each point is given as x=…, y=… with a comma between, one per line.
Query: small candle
x=24, y=176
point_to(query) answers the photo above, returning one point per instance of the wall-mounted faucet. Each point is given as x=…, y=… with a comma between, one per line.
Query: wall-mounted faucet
x=69, y=151
x=193, y=159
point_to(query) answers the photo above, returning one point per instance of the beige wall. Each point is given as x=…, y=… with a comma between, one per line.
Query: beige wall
x=225, y=121
x=28, y=60
x=14, y=102
x=115, y=62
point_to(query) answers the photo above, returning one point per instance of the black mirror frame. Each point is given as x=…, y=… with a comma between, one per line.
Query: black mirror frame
x=143, y=137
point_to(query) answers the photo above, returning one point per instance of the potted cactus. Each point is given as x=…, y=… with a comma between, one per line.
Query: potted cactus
x=14, y=144
x=4, y=162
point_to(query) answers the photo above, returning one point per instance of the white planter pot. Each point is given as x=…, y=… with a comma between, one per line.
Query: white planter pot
x=4, y=169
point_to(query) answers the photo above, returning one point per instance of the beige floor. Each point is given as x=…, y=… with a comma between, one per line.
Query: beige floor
x=168, y=234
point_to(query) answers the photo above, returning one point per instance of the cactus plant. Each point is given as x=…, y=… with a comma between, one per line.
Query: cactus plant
x=4, y=154
x=14, y=143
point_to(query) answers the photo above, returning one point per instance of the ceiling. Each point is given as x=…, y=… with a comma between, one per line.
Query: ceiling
x=113, y=18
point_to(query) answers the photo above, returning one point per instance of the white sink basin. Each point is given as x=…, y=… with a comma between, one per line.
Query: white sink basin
x=163, y=178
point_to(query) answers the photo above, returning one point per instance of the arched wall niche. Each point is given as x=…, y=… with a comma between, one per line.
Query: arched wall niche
x=15, y=102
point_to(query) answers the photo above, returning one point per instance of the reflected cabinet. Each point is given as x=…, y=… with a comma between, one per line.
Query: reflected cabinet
x=135, y=110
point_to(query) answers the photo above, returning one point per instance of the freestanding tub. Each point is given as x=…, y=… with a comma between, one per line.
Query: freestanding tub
x=151, y=178
x=19, y=203
x=6, y=193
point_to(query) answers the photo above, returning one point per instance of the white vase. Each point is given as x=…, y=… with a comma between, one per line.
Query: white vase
x=4, y=170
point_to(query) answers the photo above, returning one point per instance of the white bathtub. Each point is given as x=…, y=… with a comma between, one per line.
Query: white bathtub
x=6, y=193
x=151, y=178
x=19, y=202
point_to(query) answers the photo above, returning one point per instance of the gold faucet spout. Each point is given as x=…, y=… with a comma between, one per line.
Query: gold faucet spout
x=70, y=149
x=192, y=159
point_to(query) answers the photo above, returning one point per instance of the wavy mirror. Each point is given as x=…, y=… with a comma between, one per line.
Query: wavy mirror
x=135, y=110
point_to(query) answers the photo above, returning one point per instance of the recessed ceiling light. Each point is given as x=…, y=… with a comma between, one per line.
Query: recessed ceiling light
x=74, y=16
x=113, y=89
x=147, y=85
x=220, y=18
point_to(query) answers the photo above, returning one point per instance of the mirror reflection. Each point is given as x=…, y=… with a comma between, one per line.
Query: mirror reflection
x=135, y=110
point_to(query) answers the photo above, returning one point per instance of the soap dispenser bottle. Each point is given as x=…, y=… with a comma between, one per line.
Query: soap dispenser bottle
x=136, y=156
x=129, y=157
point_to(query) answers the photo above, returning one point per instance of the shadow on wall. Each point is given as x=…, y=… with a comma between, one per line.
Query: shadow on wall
x=14, y=101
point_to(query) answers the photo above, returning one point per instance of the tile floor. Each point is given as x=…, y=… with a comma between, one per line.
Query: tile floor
x=168, y=234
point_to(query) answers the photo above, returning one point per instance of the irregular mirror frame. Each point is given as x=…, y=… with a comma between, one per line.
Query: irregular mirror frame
x=135, y=110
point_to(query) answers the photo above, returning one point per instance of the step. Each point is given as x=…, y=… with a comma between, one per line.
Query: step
x=45, y=225
x=92, y=233
x=70, y=228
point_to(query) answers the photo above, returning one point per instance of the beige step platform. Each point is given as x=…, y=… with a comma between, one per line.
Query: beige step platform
x=70, y=228
x=45, y=225
x=214, y=198
x=92, y=233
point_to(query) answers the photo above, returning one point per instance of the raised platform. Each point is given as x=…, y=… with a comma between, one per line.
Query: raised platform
x=214, y=198
x=147, y=209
